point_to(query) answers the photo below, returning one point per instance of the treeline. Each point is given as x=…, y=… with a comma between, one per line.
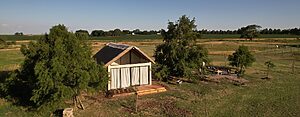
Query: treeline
x=117, y=32
x=293, y=31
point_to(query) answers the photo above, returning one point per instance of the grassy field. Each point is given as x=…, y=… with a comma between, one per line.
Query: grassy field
x=277, y=97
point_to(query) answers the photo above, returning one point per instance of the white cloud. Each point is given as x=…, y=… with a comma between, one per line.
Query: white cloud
x=4, y=25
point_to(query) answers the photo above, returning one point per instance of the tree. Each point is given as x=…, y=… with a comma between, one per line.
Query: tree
x=269, y=65
x=57, y=67
x=117, y=32
x=85, y=32
x=19, y=33
x=97, y=33
x=241, y=58
x=250, y=32
x=179, y=52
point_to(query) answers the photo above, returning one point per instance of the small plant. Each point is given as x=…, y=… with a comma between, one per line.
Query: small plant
x=269, y=65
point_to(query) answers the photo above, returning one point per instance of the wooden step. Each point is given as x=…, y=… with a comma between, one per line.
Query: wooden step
x=151, y=91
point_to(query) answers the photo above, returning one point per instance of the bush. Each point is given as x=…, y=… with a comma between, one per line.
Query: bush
x=161, y=72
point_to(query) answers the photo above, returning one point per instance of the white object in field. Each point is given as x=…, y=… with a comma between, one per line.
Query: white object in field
x=277, y=46
x=179, y=81
x=203, y=64
x=132, y=34
x=219, y=72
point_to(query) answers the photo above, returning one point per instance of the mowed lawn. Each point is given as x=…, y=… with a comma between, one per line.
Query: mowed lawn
x=279, y=97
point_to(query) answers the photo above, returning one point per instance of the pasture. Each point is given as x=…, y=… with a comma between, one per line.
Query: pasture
x=278, y=96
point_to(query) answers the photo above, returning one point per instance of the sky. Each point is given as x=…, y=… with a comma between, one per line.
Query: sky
x=38, y=16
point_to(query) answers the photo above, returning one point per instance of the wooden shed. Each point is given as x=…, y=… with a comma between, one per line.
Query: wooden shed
x=127, y=65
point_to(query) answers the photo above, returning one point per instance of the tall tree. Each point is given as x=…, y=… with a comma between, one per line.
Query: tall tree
x=250, y=31
x=57, y=67
x=241, y=58
x=179, y=53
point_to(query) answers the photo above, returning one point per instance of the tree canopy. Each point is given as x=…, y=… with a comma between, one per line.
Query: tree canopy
x=56, y=67
x=250, y=31
x=241, y=58
x=179, y=53
x=85, y=32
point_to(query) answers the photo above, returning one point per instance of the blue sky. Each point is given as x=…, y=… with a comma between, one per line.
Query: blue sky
x=37, y=16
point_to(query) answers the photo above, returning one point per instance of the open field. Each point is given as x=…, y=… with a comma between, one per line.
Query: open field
x=278, y=97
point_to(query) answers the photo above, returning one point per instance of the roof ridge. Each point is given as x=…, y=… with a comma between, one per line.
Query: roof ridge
x=118, y=45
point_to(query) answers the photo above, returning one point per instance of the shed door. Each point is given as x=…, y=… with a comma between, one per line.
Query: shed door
x=125, y=77
x=144, y=76
x=115, y=78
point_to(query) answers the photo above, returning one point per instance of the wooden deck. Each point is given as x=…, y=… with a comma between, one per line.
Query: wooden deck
x=150, y=89
x=141, y=90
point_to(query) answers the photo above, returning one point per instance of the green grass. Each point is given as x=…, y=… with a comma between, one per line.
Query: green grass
x=19, y=38
x=276, y=97
x=10, y=57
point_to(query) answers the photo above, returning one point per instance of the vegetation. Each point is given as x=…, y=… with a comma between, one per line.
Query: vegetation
x=179, y=53
x=250, y=32
x=2, y=43
x=19, y=34
x=269, y=65
x=241, y=58
x=276, y=97
x=56, y=67
x=84, y=32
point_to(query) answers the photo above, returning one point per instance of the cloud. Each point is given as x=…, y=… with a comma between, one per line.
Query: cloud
x=4, y=25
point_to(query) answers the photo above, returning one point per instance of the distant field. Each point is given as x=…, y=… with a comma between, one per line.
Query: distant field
x=146, y=37
x=15, y=38
x=129, y=38
x=223, y=36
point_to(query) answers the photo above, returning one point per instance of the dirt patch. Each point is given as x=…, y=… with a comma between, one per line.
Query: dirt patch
x=24, y=41
x=221, y=52
x=9, y=49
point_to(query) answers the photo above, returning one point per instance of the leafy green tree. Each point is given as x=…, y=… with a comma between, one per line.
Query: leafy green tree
x=97, y=33
x=85, y=32
x=241, y=58
x=250, y=31
x=179, y=52
x=269, y=65
x=57, y=67
x=117, y=32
